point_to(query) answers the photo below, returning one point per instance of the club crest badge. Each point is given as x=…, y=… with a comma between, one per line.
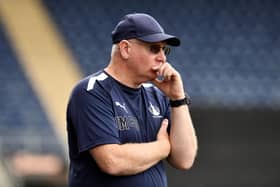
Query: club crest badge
x=154, y=110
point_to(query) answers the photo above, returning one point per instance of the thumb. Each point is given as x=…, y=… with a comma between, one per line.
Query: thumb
x=164, y=125
x=162, y=133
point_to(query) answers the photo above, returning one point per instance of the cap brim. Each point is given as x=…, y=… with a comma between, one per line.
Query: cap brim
x=159, y=37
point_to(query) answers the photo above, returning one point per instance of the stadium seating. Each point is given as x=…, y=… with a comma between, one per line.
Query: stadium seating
x=230, y=50
x=23, y=123
x=229, y=60
x=27, y=139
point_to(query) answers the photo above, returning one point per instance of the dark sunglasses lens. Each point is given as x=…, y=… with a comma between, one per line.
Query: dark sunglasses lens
x=155, y=49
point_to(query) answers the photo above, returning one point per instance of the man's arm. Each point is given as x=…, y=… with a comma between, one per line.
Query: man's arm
x=182, y=134
x=182, y=138
x=132, y=158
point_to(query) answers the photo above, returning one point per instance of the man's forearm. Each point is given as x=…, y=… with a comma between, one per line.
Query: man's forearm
x=182, y=138
x=129, y=159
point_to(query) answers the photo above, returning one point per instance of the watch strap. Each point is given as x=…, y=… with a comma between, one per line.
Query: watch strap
x=176, y=103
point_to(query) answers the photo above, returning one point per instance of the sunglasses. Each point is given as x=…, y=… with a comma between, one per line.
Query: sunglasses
x=155, y=48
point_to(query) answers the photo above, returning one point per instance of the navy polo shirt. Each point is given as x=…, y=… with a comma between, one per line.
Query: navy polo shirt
x=103, y=111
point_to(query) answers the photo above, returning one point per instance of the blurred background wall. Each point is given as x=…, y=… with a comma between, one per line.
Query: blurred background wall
x=229, y=60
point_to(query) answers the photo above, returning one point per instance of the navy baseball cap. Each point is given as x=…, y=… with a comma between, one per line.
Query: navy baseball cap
x=143, y=27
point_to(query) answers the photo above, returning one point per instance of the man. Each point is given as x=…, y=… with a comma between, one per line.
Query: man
x=123, y=121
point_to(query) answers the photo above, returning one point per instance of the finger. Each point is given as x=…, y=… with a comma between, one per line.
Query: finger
x=167, y=74
x=161, y=69
x=166, y=69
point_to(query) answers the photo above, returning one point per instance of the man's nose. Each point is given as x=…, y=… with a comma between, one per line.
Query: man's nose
x=161, y=56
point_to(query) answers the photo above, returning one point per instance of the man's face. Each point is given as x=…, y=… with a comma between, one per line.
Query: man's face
x=147, y=58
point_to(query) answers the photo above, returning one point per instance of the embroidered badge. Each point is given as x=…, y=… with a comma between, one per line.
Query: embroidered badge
x=154, y=110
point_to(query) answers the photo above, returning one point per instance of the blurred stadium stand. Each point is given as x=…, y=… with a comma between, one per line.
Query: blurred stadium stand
x=229, y=54
x=230, y=63
x=24, y=127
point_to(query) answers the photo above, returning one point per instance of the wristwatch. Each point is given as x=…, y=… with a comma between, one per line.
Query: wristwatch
x=176, y=103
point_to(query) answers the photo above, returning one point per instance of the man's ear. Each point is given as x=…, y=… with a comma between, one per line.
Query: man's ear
x=124, y=49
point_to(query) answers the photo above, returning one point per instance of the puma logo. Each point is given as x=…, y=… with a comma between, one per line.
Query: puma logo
x=121, y=106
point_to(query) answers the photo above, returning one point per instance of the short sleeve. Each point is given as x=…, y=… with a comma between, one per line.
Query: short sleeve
x=93, y=118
